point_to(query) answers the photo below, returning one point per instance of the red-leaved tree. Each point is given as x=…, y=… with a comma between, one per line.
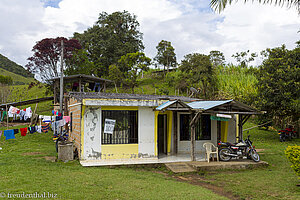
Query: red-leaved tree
x=46, y=56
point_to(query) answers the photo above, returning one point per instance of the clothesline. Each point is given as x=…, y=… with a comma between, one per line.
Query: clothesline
x=57, y=121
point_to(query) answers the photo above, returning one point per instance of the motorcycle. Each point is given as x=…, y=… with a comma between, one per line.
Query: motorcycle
x=238, y=150
x=287, y=133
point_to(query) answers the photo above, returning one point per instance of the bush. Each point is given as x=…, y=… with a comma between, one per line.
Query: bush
x=293, y=154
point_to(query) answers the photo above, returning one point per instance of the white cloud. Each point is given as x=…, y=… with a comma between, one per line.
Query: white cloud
x=188, y=24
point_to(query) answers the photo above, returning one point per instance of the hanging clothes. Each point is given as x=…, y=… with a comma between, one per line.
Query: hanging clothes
x=9, y=134
x=47, y=119
x=28, y=113
x=57, y=118
x=45, y=128
x=22, y=114
x=3, y=115
x=23, y=131
x=0, y=134
x=67, y=118
x=38, y=129
x=32, y=129
x=16, y=131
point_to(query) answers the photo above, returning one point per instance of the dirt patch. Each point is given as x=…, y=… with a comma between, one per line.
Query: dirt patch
x=260, y=150
x=196, y=179
x=31, y=153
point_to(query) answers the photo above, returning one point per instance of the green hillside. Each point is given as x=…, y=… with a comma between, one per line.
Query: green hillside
x=11, y=66
x=17, y=79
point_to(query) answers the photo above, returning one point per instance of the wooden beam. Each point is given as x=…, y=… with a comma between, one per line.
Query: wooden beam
x=235, y=112
x=192, y=124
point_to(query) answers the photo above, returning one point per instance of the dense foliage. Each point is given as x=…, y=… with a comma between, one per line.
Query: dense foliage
x=11, y=66
x=279, y=84
x=165, y=55
x=113, y=36
x=198, y=72
x=293, y=154
x=6, y=80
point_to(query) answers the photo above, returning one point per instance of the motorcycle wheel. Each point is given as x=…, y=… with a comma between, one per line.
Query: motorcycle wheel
x=254, y=155
x=294, y=135
x=223, y=156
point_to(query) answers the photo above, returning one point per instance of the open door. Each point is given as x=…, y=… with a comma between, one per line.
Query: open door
x=222, y=131
x=162, y=135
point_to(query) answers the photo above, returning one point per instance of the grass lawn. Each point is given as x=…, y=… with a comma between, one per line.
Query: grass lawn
x=28, y=172
x=278, y=181
x=24, y=171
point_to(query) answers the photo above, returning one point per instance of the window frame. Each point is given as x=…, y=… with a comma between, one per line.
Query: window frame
x=198, y=135
x=130, y=134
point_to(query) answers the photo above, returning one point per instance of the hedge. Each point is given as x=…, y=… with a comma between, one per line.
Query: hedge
x=293, y=154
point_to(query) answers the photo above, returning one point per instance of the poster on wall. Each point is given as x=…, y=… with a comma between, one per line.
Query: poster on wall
x=109, y=126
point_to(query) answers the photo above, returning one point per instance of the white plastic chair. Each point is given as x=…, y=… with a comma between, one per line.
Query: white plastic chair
x=209, y=150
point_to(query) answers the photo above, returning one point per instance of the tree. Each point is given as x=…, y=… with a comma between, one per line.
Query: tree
x=165, y=55
x=79, y=64
x=217, y=58
x=279, y=84
x=134, y=63
x=219, y=5
x=46, y=56
x=244, y=58
x=198, y=72
x=113, y=36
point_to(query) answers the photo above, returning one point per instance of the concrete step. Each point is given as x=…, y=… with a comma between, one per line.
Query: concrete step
x=180, y=167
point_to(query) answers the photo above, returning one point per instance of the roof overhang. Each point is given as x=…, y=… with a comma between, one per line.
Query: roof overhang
x=175, y=105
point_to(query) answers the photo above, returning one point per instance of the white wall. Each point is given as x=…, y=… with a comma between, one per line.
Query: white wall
x=231, y=137
x=146, y=132
x=92, y=133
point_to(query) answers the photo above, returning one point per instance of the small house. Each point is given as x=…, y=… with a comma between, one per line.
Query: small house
x=114, y=129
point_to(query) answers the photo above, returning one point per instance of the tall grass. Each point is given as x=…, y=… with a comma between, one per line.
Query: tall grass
x=235, y=82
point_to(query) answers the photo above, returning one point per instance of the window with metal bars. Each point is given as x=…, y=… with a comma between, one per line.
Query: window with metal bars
x=202, y=128
x=125, y=129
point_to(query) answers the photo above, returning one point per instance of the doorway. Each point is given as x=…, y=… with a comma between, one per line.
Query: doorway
x=222, y=131
x=162, y=135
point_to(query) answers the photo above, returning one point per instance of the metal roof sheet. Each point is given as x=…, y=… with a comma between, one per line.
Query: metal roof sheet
x=165, y=105
x=96, y=95
x=206, y=105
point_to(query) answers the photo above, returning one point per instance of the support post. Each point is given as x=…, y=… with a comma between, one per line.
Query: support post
x=61, y=77
x=175, y=132
x=193, y=142
x=192, y=124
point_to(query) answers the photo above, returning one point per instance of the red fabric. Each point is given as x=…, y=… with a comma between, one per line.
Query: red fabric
x=23, y=131
x=18, y=111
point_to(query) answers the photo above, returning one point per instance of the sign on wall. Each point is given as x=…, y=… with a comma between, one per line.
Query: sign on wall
x=109, y=126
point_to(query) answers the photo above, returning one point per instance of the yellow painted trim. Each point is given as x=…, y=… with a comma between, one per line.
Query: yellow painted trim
x=120, y=151
x=82, y=130
x=237, y=127
x=155, y=132
x=224, y=130
x=169, y=133
x=119, y=107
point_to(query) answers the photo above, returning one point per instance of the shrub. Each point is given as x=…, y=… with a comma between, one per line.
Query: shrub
x=293, y=154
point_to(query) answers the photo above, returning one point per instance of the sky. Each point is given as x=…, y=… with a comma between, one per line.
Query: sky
x=190, y=25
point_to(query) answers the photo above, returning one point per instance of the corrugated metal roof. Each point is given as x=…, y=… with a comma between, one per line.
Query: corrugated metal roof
x=206, y=105
x=96, y=95
x=165, y=105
